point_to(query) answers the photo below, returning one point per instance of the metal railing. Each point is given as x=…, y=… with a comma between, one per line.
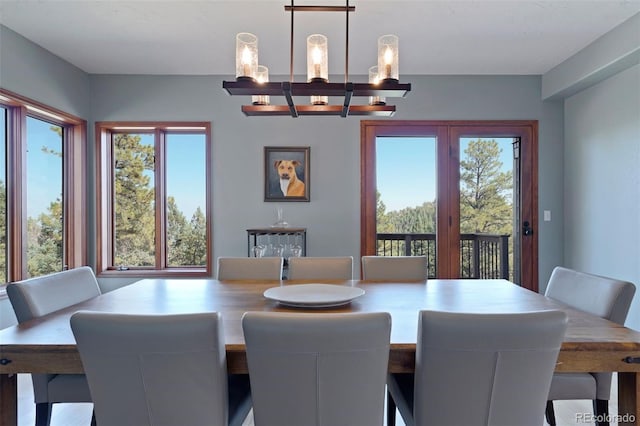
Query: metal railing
x=481, y=255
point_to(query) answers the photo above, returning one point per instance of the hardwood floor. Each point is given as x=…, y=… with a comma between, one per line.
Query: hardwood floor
x=80, y=414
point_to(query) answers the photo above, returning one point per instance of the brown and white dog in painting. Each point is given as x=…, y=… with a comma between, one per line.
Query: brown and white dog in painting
x=290, y=185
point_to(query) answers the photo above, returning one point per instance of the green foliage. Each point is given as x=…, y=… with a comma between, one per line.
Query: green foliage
x=186, y=242
x=195, y=247
x=134, y=202
x=414, y=220
x=485, y=191
x=419, y=219
x=44, y=241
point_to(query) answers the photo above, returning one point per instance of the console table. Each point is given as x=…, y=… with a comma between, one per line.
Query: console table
x=285, y=236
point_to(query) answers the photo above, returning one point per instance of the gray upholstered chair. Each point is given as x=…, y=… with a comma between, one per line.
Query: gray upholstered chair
x=250, y=268
x=35, y=297
x=606, y=297
x=321, y=268
x=394, y=268
x=317, y=369
x=158, y=370
x=480, y=369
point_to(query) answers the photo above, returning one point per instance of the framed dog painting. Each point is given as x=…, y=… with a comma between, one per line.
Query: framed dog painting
x=286, y=173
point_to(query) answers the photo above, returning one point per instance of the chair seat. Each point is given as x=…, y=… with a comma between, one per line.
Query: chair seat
x=565, y=386
x=69, y=387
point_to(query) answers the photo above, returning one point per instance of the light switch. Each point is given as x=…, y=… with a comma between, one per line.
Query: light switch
x=547, y=215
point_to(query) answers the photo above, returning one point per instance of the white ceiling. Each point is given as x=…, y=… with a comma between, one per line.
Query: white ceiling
x=198, y=37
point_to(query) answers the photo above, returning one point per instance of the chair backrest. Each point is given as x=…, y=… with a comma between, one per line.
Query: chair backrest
x=317, y=369
x=608, y=298
x=250, y=268
x=394, y=268
x=321, y=268
x=605, y=297
x=485, y=369
x=154, y=369
x=38, y=296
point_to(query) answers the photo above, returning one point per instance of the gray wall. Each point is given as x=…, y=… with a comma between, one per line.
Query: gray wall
x=602, y=180
x=600, y=89
x=33, y=72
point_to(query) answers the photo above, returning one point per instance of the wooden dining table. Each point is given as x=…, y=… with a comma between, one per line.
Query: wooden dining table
x=591, y=344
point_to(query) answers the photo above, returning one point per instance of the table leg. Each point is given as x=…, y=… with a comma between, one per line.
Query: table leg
x=628, y=398
x=8, y=399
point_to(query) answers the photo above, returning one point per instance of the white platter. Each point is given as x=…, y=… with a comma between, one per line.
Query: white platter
x=313, y=295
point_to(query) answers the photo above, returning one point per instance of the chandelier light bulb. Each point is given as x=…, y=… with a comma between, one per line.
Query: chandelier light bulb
x=246, y=56
x=388, y=57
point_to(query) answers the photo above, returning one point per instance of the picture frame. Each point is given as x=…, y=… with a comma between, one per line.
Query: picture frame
x=286, y=173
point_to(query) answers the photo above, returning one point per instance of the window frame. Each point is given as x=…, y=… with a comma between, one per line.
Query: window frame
x=105, y=203
x=74, y=195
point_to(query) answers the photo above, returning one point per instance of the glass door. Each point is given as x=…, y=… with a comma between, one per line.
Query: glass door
x=487, y=208
x=462, y=193
x=406, y=202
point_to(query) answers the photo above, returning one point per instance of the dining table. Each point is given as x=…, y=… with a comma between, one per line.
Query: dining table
x=591, y=344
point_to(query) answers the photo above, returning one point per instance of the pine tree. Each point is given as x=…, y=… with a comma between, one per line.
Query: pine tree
x=44, y=245
x=134, y=202
x=485, y=190
x=195, y=247
x=176, y=230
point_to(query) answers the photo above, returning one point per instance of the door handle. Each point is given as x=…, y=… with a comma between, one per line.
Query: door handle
x=527, y=229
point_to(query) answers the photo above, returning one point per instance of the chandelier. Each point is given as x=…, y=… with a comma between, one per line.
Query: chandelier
x=252, y=79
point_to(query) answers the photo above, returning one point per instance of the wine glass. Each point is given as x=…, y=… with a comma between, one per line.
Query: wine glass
x=296, y=249
x=278, y=249
x=258, y=250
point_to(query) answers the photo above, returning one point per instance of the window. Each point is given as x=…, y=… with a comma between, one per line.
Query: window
x=482, y=179
x=153, y=202
x=42, y=190
x=43, y=194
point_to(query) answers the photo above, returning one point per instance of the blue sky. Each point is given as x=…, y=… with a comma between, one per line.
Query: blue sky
x=405, y=168
x=44, y=169
x=186, y=172
x=44, y=177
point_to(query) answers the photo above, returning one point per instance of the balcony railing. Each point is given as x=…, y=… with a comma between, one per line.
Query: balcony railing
x=481, y=255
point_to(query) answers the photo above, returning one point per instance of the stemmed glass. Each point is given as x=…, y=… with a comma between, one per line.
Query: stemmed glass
x=296, y=249
x=278, y=249
x=258, y=250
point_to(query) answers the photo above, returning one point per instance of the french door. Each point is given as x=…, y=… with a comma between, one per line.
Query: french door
x=461, y=154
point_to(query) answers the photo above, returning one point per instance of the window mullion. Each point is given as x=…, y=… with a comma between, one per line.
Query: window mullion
x=160, y=196
x=16, y=201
